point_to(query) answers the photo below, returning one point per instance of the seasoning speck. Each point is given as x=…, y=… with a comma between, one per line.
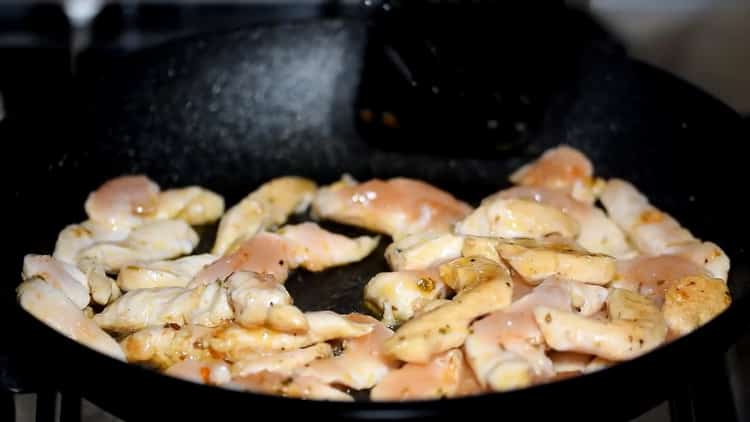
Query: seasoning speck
x=426, y=284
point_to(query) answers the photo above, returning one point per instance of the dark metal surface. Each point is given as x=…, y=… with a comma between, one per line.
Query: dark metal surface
x=230, y=111
x=708, y=397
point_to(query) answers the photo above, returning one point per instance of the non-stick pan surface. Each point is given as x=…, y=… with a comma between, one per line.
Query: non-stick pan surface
x=230, y=111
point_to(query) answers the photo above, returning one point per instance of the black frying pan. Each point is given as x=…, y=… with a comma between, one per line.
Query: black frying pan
x=230, y=111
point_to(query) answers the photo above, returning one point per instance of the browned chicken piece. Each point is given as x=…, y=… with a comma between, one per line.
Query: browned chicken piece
x=233, y=342
x=635, y=326
x=693, y=301
x=165, y=346
x=517, y=218
x=537, y=260
x=419, y=251
x=486, y=289
x=399, y=295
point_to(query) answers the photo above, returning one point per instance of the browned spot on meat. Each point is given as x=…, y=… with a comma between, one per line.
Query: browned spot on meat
x=205, y=374
x=426, y=284
x=651, y=216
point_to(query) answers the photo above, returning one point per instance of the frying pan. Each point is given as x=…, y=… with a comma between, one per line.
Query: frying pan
x=231, y=110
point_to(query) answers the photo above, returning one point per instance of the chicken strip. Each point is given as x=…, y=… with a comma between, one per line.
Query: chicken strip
x=486, y=247
x=517, y=218
x=104, y=290
x=233, y=341
x=397, y=296
x=397, y=207
x=209, y=371
x=65, y=277
x=635, y=326
x=77, y=237
x=286, y=363
x=570, y=362
x=165, y=346
x=193, y=204
x=487, y=289
x=651, y=276
x=597, y=364
x=537, y=260
x=138, y=309
x=709, y=255
x=264, y=253
x=170, y=273
x=315, y=249
x=270, y=205
x=300, y=387
x=149, y=242
x=506, y=349
x=419, y=251
x=657, y=233
x=444, y=376
x=306, y=245
x=361, y=364
x=259, y=300
x=598, y=233
x=52, y=307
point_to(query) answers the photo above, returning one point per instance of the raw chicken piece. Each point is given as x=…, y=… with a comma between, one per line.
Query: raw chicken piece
x=52, y=307
x=268, y=206
x=397, y=207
